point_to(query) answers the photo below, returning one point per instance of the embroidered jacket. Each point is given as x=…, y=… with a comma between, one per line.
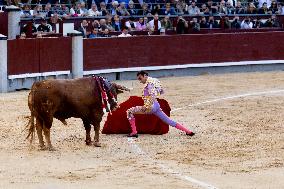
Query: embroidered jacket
x=151, y=91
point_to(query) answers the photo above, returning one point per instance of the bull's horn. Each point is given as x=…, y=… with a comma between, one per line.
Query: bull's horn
x=121, y=87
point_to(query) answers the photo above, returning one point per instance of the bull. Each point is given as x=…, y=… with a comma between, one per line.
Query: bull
x=62, y=99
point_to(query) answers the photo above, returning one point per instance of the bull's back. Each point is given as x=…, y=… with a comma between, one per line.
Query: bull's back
x=64, y=98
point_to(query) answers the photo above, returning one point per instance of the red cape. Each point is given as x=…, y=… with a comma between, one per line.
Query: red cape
x=117, y=123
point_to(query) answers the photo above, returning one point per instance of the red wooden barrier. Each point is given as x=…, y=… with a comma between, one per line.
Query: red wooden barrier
x=23, y=56
x=4, y=23
x=182, y=49
x=55, y=54
x=39, y=55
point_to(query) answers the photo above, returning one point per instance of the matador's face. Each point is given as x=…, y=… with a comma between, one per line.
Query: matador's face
x=142, y=78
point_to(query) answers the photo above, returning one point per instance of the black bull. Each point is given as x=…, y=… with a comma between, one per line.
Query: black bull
x=62, y=99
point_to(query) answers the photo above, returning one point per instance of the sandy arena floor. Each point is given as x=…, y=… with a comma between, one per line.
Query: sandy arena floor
x=239, y=141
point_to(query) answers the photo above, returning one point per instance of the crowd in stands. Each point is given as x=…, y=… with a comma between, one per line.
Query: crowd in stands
x=148, y=15
x=95, y=8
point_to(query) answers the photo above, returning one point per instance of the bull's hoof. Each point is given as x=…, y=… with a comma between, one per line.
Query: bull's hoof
x=42, y=147
x=88, y=142
x=97, y=144
x=51, y=148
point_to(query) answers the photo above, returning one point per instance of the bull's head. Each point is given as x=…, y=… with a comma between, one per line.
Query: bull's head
x=113, y=89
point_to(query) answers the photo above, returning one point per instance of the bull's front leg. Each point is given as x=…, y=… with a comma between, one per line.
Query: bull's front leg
x=87, y=126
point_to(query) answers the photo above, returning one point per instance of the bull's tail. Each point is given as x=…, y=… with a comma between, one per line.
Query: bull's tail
x=31, y=128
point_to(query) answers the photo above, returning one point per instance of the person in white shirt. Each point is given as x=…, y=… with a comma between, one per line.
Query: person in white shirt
x=124, y=33
x=93, y=11
x=130, y=24
x=260, y=2
x=246, y=24
x=152, y=23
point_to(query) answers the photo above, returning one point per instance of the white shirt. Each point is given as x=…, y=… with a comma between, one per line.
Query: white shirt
x=260, y=2
x=124, y=35
x=245, y=25
x=127, y=24
x=151, y=24
x=94, y=13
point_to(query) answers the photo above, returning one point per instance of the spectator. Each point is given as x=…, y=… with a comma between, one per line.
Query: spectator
x=44, y=27
x=23, y=36
x=166, y=23
x=239, y=9
x=272, y=22
x=26, y=12
x=157, y=10
x=222, y=7
x=94, y=33
x=204, y=9
x=93, y=11
x=227, y=23
x=193, y=9
x=116, y=23
x=130, y=24
x=182, y=7
x=122, y=10
x=144, y=11
x=131, y=8
x=229, y=8
x=38, y=12
x=263, y=9
x=251, y=9
x=48, y=10
x=257, y=24
x=25, y=28
x=182, y=25
x=83, y=10
x=213, y=23
x=246, y=23
x=124, y=33
x=236, y=24
x=194, y=25
x=56, y=8
x=75, y=10
x=140, y=25
x=53, y=21
x=260, y=3
x=280, y=9
x=95, y=24
x=273, y=9
x=103, y=9
x=203, y=23
x=114, y=8
x=212, y=7
x=169, y=10
x=65, y=11
x=109, y=23
x=83, y=29
x=155, y=24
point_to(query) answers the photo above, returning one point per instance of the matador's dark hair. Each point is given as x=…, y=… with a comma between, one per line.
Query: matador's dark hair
x=142, y=73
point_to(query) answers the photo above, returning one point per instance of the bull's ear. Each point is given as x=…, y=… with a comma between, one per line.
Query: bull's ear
x=120, y=88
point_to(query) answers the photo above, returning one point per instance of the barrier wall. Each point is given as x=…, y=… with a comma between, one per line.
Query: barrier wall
x=108, y=53
x=39, y=55
x=4, y=23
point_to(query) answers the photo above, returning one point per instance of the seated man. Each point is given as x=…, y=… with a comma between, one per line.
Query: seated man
x=44, y=27
x=151, y=91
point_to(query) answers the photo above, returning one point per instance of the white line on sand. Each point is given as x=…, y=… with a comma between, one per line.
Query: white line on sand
x=136, y=149
x=166, y=169
x=230, y=97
